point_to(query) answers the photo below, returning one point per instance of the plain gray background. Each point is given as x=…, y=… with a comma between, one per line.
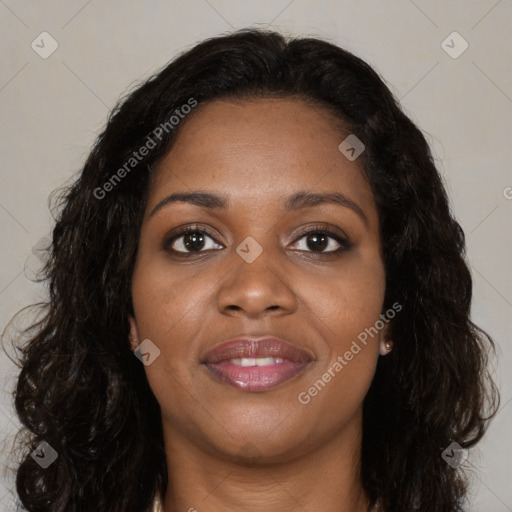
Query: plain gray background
x=54, y=107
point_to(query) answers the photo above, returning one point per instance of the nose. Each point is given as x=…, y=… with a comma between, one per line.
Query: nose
x=257, y=288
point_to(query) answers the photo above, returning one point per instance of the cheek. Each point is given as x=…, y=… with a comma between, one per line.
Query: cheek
x=347, y=303
x=345, y=310
x=167, y=308
x=168, y=313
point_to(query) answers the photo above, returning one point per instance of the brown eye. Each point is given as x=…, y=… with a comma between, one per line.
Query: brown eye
x=319, y=239
x=194, y=241
x=190, y=240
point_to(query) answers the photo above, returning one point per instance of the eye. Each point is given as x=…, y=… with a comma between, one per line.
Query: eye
x=190, y=240
x=320, y=238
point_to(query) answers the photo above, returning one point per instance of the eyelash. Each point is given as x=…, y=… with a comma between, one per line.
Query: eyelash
x=344, y=243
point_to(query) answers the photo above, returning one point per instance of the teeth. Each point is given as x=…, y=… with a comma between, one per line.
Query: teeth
x=257, y=361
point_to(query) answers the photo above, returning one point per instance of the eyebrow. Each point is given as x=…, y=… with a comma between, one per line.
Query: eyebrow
x=297, y=201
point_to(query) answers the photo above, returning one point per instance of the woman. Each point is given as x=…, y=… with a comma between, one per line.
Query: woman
x=259, y=300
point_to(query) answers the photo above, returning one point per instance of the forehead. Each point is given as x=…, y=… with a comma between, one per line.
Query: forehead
x=263, y=149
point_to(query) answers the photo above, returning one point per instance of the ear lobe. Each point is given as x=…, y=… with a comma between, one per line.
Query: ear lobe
x=385, y=345
x=134, y=334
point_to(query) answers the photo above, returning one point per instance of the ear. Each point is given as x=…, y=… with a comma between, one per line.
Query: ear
x=385, y=344
x=134, y=334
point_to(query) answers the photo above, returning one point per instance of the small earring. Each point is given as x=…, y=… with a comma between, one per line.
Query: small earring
x=387, y=348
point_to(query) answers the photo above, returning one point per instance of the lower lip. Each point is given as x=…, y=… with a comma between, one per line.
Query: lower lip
x=255, y=378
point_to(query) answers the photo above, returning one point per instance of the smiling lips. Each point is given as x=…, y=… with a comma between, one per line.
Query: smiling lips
x=256, y=365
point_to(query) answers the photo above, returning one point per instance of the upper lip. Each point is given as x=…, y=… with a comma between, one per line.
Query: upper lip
x=250, y=347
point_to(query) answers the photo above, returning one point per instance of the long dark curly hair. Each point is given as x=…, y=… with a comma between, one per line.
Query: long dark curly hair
x=80, y=388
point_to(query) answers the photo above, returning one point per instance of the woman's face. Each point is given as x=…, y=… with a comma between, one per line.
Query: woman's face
x=251, y=270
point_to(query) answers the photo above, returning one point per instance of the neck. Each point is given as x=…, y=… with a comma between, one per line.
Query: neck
x=327, y=477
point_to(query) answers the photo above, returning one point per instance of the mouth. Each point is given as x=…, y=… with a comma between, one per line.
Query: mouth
x=255, y=365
